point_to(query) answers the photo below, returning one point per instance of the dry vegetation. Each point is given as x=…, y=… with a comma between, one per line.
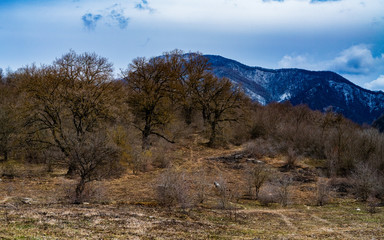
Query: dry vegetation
x=35, y=205
x=173, y=152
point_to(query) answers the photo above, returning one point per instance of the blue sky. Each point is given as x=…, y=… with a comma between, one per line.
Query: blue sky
x=345, y=36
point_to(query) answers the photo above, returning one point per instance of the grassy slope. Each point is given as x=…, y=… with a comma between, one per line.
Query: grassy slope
x=125, y=208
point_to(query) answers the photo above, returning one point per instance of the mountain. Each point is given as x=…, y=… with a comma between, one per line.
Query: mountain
x=379, y=123
x=320, y=90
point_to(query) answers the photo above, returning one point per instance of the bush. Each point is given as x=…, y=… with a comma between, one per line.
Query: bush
x=268, y=195
x=283, y=189
x=8, y=170
x=161, y=159
x=258, y=131
x=223, y=192
x=372, y=205
x=291, y=159
x=94, y=192
x=173, y=189
x=256, y=177
x=141, y=161
x=322, y=192
x=260, y=148
x=365, y=181
x=201, y=185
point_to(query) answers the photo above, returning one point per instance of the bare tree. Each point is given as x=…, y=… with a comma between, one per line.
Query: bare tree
x=257, y=176
x=7, y=130
x=219, y=100
x=364, y=181
x=95, y=158
x=9, y=120
x=283, y=191
x=194, y=69
x=68, y=100
x=223, y=191
x=148, y=84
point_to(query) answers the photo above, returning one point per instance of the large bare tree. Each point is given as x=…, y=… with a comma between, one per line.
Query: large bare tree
x=149, y=96
x=219, y=100
x=68, y=100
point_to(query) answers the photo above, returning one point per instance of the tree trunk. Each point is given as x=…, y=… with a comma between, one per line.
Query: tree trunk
x=205, y=115
x=79, y=191
x=71, y=169
x=188, y=114
x=257, y=190
x=212, y=138
x=5, y=154
x=145, y=138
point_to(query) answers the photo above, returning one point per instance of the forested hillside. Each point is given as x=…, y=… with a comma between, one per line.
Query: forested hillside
x=171, y=134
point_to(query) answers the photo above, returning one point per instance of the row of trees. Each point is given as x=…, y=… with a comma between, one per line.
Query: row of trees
x=65, y=112
x=160, y=86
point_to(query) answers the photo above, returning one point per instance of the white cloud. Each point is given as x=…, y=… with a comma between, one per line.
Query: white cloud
x=377, y=84
x=299, y=61
x=323, y=1
x=354, y=60
x=271, y=15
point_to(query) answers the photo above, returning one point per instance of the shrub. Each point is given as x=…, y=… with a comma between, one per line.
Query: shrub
x=283, y=189
x=364, y=181
x=201, y=185
x=322, y=192
x=173, y=189
x=256, y=177
x=94, y=192
x=141, y=161
x=291, y=159
x=268, y=195
x=257, y=131
x=260, y=148
x=8, y=170
x=372, y=205
x=161, y=159
x=223, y=192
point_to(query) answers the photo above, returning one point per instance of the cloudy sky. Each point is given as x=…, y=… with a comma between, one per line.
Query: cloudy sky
x=345, y=36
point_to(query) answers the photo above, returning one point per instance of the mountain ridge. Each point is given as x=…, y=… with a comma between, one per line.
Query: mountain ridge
x=320, y=90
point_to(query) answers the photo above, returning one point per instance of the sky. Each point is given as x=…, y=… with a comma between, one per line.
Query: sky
x=344, y=36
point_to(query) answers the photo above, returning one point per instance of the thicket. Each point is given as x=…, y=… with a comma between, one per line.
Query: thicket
x=74, y=114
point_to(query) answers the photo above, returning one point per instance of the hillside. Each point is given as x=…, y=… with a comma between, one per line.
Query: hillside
x=35, y=204
x=320, y=90
x=86, y=157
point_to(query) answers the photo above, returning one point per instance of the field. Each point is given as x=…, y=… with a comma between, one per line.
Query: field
x=35, y=204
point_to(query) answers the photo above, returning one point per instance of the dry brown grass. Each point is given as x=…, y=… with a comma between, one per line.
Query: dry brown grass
x=126, y=207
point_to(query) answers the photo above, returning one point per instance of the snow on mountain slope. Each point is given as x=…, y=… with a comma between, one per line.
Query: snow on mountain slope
x=317, y=89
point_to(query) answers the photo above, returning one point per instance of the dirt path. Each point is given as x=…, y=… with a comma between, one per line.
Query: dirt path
x=282, y=214
x=331, y=229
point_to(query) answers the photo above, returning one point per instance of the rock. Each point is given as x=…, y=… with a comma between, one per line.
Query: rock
x=254, y=160
x=27, y=200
